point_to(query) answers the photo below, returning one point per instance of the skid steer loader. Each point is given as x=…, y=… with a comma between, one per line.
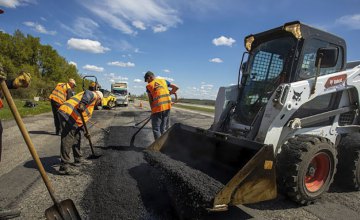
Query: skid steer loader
x=292, y=117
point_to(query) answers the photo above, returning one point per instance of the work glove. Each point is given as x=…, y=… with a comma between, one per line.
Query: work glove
x=23, y=80
x=81, y=107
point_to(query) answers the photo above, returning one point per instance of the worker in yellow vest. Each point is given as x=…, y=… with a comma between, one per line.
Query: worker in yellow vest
x=22, y=81
x=72, y=127
x=160, y=102
x=61, y=93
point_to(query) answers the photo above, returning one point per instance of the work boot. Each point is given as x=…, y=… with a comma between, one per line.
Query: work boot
x=8, y=213
x=82, y=162
x=68, y=171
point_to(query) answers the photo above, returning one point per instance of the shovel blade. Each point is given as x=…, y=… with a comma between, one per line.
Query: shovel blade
x=65, y=210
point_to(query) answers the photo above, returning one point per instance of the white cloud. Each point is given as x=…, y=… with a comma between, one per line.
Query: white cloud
x=73, y=63
x=38, y=28
x=167, y=71
x=350, y=21
x=159, y=28
x=223, y=41
x=166, y=78
x=139, y=24
x=93, y=68
x=16, y=3
x=86, y=45
x=85, y=27
x=138, y=80
x=216, y=60
x=121, y=64
x=123, y=15
x=206, y=87
x=113, y=77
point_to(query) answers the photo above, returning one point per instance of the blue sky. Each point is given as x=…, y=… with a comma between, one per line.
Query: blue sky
x=196, y=44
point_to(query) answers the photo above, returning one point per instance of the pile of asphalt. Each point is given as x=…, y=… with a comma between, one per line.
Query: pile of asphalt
x=192, y=191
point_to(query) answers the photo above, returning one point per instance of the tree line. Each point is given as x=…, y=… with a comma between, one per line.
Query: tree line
x=25, y=52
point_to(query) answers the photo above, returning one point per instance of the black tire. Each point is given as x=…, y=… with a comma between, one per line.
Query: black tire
x=111, y=104
x=306, y=168
x=348, y=175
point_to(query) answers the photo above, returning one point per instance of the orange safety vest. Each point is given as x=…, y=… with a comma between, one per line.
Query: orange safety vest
x=60, y=92
x=1, y=103
x=69, y=108
x=161, y=99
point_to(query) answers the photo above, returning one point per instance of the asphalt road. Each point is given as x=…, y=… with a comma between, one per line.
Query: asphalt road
x=121, y=184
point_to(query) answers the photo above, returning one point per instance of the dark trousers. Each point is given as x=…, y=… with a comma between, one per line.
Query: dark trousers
x=70, y=141
x=55, y=106
x=160, y=122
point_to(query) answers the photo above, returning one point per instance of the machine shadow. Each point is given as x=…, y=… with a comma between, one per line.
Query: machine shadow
x=48, y=163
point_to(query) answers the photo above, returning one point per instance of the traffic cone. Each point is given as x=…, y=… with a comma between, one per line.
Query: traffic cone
x=140, y=104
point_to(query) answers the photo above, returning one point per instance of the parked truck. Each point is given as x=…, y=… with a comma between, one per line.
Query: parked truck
x=120, y=89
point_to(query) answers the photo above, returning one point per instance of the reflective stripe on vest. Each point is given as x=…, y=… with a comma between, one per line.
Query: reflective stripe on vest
x=70, y=109
x=1, y=103
x=161, y=99
x=59, y=93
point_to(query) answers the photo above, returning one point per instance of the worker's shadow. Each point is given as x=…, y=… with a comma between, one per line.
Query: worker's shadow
x=153, y=194
x=43, y=132
x=47, y=162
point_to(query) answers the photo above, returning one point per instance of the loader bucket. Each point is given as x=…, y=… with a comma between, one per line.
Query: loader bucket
x=212, y=170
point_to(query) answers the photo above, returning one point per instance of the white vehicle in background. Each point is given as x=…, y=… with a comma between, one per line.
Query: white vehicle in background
x=120, y=89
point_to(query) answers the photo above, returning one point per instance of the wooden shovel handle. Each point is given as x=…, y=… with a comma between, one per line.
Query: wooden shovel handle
x=27, y=139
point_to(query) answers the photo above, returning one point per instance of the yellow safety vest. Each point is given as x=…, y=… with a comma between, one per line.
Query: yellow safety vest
x=70, y=109
x=161, y=99
x=59, y=93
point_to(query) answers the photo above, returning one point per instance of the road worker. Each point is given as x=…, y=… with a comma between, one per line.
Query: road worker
x=22, y=81
x=160, y=102
x=61, y=93
x=72, y=126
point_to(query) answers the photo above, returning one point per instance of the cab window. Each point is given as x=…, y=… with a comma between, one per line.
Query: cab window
x=308, y=68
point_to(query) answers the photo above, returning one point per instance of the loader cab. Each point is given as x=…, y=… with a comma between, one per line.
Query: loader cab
x=281, y=55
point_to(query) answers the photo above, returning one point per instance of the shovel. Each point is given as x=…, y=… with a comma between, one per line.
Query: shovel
x=87, y=135
x=103, y=129
x=63, y=210
x=146, y=121
x=134, y=135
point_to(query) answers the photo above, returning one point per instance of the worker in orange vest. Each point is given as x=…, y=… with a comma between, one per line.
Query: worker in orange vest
x=72, y=127
x=22, y=81
x=160, y=102
x=61, y=93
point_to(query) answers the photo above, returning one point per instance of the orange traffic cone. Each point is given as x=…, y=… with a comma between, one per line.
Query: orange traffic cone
x=140, y=104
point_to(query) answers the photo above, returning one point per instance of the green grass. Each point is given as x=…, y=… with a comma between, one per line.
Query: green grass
x=42, y=107
x=195, y=108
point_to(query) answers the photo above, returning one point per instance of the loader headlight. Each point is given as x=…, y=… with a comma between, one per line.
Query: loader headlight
x=248, y=42
x=294, y=29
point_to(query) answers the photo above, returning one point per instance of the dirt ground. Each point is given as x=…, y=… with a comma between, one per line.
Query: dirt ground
x=121, y=184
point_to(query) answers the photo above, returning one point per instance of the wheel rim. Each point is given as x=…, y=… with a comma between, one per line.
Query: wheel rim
x=317, y=172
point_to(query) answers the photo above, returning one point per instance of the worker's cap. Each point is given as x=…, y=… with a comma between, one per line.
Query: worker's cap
x=99, y=94
x=72, y=81
x=148, y=74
